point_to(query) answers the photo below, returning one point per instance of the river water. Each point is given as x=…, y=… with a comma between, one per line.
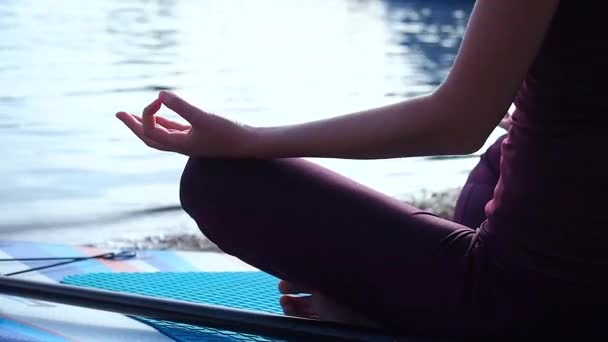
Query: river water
x=72, y=173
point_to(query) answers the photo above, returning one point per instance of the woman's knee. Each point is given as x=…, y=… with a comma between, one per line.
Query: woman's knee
x=192, y=186
x=207, y=181
x=202, y=187
x=222, y=196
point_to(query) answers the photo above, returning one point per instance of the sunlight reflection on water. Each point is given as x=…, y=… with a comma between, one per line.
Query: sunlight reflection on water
x=67, y=69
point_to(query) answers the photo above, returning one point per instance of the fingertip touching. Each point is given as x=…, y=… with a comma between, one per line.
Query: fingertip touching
x=179, y=105
x=166, y=96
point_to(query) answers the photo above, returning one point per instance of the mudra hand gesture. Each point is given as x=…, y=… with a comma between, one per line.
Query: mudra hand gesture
x=205, y=134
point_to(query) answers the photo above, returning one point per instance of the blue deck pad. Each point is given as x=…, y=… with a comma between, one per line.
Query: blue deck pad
x=242, y=290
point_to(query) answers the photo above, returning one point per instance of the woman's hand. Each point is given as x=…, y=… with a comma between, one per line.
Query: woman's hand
x=205, y=134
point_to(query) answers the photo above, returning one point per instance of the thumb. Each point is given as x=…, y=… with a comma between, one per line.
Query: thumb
x=180, y=106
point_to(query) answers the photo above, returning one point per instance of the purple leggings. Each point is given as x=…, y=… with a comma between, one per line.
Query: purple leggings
x=408, y=270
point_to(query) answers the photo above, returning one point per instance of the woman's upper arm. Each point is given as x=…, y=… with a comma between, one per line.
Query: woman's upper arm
x=501, y=41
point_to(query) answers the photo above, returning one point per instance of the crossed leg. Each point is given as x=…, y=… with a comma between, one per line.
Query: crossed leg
x=376, y=258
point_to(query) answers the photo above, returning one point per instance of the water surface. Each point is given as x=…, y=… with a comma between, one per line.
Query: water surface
x=67, y=66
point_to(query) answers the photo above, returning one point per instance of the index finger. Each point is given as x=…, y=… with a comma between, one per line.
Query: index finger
x=180, y=106
x=148, y=119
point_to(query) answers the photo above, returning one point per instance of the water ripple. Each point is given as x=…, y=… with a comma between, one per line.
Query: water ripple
x=48, y=132
x=136, y=61
x=120, y=90
x=11, y=99
x=9, y=125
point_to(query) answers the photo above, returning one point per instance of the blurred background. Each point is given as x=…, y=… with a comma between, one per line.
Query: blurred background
x=71, y=173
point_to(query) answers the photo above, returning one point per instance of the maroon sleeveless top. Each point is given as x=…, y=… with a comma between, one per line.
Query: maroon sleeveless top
x=549, y=214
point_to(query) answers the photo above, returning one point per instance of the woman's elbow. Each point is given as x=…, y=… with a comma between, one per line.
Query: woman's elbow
x=472, y=146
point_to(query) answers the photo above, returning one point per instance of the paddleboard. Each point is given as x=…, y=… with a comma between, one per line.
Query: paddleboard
x=32, y=320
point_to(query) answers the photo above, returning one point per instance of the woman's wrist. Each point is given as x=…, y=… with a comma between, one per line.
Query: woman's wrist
x=257, y=144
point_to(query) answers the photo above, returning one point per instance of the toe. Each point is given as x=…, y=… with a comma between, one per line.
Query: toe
x=298, y=306
x=287, y=287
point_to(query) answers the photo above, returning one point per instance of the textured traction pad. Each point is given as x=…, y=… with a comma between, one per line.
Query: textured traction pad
x=243, y=290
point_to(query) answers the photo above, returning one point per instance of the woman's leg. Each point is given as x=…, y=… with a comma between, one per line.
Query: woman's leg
x=479, y=188
x=396, y=265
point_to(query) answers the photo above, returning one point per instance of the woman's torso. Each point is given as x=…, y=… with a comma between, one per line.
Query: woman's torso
x=549, y=215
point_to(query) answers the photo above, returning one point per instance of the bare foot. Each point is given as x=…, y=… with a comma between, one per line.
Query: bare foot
x=302, y=302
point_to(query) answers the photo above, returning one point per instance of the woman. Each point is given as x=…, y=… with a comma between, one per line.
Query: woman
x=537, y=263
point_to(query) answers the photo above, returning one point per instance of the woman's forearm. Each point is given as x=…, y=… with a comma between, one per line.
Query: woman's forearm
x=416, y=127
